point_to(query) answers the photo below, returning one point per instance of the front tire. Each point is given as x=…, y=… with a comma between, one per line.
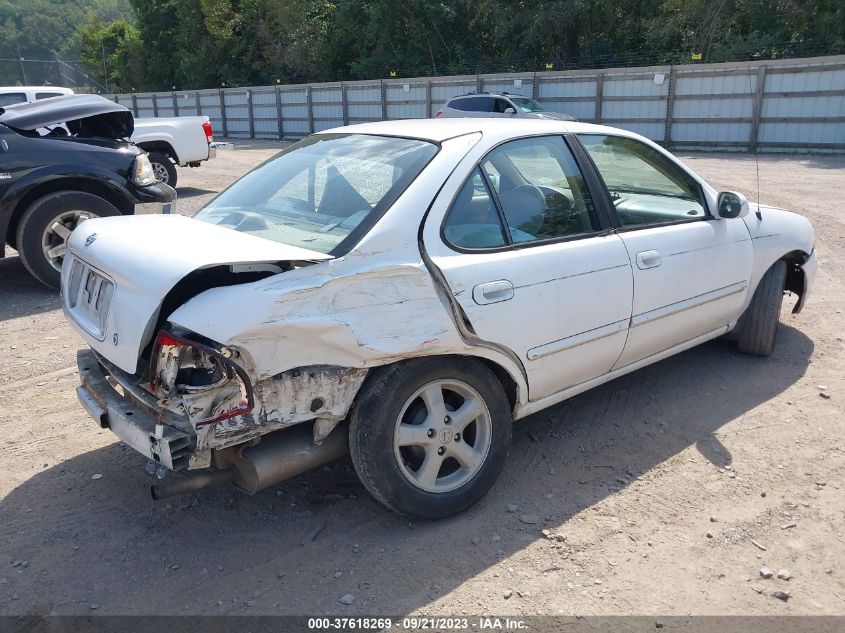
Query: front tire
x=46, y=226
x=165, y=170
x=429, y=437
x=759, y=323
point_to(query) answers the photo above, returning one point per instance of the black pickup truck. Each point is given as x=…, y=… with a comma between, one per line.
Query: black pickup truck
x=62, y=161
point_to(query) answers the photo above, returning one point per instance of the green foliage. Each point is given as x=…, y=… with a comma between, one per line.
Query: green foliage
x=116, y=48
x=158, y=44
x=39, y=29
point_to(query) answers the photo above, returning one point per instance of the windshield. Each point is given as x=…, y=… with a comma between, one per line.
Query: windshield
x=322, y=193
x=527, y=105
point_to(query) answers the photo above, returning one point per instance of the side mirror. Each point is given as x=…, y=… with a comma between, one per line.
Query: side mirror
x=731, y=205
x=510, y=111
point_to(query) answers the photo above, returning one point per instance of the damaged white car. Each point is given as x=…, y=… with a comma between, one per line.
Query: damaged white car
x=404, y=291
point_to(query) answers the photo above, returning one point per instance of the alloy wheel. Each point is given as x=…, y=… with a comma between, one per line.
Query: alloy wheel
x=55, y=237
x=160, y=172
x=442, y=436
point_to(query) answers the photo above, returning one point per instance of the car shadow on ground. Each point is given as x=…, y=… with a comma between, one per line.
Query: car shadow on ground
x=103, y=540
x=20, y=294
x=192, y=192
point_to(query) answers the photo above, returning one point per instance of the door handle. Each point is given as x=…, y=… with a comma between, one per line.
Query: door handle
x=648, y=259
x=493, y=291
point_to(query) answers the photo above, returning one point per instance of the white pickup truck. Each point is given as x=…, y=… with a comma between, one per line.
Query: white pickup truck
x=185, y=141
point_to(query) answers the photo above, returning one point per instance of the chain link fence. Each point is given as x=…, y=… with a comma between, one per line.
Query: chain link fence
x=55, y=72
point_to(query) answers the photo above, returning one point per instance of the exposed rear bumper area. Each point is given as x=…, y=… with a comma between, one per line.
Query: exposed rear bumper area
x=131, y=422
x=279, y=455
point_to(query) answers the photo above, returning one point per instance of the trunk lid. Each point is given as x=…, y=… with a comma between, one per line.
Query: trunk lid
x=120, y=270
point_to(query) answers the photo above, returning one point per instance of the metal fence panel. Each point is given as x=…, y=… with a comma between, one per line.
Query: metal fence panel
x=714, y=108
x=744, y=84
x=565, y=87
x=517, y=85
x=772, y=105
x=718, y=133
x=810, y=134
x=615, y=86
x=810, y=80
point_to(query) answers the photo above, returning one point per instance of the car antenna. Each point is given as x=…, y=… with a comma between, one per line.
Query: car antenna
x=761, y=77
x=757, y=167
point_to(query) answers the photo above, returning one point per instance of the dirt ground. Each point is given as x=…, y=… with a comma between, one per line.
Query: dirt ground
x=663, y=492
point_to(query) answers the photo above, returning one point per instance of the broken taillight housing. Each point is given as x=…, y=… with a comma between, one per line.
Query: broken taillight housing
x=207, y=385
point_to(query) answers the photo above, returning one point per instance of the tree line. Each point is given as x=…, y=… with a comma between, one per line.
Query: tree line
x=165, y=44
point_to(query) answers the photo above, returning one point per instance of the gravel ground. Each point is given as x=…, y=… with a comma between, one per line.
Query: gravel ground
x=665, y=491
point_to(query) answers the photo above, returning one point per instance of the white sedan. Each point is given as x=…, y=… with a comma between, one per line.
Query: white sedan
x=406, y=290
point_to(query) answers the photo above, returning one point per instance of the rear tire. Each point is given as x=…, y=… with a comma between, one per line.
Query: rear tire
x=757, y=327
x=164, y=168
x=428, y=455
x=46, y=226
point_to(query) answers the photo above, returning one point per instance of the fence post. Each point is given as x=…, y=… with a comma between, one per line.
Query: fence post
x=479, y=83
x=175, y=104
x=535, y=88
x=670, y=108
x=250, y=113
x=155, y=105
x=198, y=102
x=383, y=101
x=310, y=103
x=344, y=104
x=599, y=96
x=428, y=99
x=279, y=125
x=222, y=98
x=757, y=109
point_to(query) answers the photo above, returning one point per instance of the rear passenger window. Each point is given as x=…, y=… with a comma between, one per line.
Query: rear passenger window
x=473, y=104
x=473, y=221
x=10, y=98
x=538, y=190
x=47, y=95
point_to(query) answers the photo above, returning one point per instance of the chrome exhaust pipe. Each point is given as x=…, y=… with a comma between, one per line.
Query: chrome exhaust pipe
x=213, y=479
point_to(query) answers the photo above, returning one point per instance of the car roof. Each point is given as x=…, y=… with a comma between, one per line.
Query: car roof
x=504, y=95
x=438, y=130
x=42, y=88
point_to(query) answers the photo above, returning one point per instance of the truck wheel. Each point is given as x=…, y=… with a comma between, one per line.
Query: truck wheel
x=758, y=325
x=164, y=168
x=46, y=226
x=429, y=437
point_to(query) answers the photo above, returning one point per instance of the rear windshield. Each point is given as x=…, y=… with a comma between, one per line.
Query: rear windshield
x=10, y=98
x=323, y=193
x=472, y=104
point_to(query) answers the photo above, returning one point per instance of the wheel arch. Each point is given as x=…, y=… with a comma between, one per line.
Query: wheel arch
x=160, y=147
x=797, y=280
x=85, y=185
x=511, y=387
x=796, y=276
